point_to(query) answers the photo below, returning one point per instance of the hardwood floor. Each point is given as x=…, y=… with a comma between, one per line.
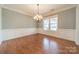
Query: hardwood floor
x=38, y=44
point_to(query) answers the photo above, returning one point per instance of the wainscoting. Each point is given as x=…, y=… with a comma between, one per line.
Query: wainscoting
x=15, y=33
x=7, y=34
x=68, y=34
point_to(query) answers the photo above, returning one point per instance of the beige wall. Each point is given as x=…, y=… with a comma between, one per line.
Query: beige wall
x=77, y=25
x=66, y=25
x=0, y=18
x=1, y=25
x=13, y=20
x=66, y=19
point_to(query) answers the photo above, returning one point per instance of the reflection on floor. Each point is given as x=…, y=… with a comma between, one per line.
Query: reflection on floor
x=38, y=44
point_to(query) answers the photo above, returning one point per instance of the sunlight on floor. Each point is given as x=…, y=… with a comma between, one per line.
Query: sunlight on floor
x=50, y=46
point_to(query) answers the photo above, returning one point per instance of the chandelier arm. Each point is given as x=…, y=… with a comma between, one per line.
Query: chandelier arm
x=38, y=16
x=38, y=9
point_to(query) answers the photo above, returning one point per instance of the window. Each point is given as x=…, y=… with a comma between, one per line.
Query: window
x=50, y=24
x=46, y=24
x=53, y=23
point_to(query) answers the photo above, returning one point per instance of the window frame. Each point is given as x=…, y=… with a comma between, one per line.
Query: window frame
x=55, y=16
x=48, y=24
x=49, y=18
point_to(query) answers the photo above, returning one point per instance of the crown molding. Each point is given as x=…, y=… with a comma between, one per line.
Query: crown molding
x=12, y=9
x=44, y=14
x=56, y=11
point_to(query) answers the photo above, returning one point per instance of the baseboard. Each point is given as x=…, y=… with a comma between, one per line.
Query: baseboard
x=68, y=34
x=22, y=36
x=16, y=33
x=56, y=37
x=77, y=43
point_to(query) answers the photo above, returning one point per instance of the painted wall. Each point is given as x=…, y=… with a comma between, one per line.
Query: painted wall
x=66, y=19
x=68, y=34
x=15, y=33
x=0, y=18
x=1, y=25
x=77, y=26
x=15, y=24
x=14, y=20
x=66, y=25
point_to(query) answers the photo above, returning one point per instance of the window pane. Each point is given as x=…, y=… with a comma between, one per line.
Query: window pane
x=53, y=23
x=46, y=24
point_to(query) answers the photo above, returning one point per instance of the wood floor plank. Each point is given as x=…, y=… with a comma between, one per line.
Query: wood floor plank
x=38, y=44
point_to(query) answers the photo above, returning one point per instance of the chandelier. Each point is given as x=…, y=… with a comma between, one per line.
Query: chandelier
x=38, y=16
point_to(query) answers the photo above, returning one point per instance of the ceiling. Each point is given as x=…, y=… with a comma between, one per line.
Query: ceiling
x=31, y=9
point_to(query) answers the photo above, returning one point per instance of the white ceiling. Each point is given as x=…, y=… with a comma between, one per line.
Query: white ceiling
x=31, y=9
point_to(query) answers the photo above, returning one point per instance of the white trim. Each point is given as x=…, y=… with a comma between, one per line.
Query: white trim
x=77, y=43
x=77, y=26
x=0, y=18
x=59, y=10
x=15, y=10
x=68, y=34
x=0, y=25
x=49, y=19
x=8, y=34
x=45, y=14
x=15, y=33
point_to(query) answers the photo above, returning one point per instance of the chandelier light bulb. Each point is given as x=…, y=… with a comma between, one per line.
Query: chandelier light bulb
x=38, y=16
